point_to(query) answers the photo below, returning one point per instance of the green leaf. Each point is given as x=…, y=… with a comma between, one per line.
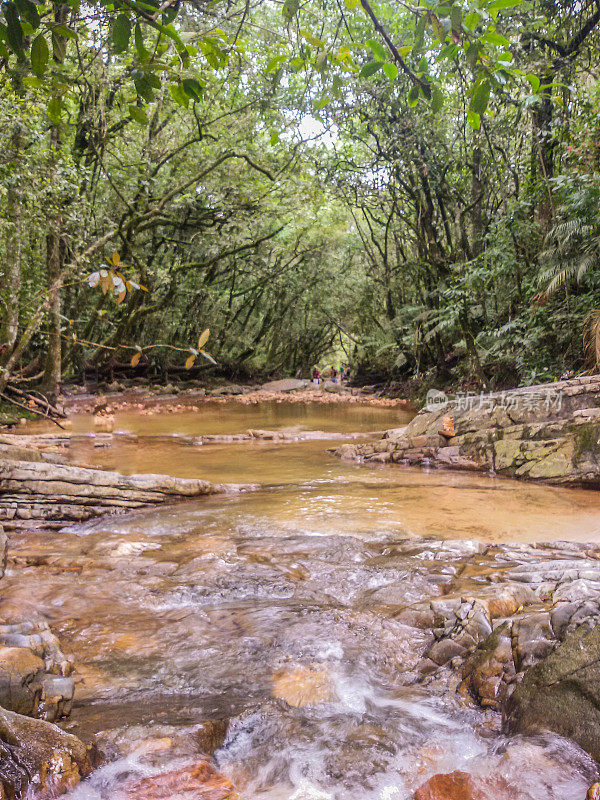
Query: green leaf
x=321, y=61
x=472, y=53
x=274, y=137
x=352, y=4
x=193, y=88
x=322, y=102
x=534, y=81
x=54, y=108
x=471, y=20
x=481, y=97
x=437, y=99
x=171, y=13
x=473, y=119
x=290, y=9
x=138, y=114
x=311, y=38
x=381, y=53
x=121, y=33
x=370, y=69
x=28, y=11
x=40, y=54
x=412, y=97
x=391, y=70
x=62, y=30
x=14, y=31
x=437, y=26
x=275, y=62
x=456, y=18
x=497, y=39
x=178, y=94
x=143, y=54
x=499, y=5
x=143, y=86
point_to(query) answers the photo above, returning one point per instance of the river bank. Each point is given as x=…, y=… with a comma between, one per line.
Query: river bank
x=548, y=433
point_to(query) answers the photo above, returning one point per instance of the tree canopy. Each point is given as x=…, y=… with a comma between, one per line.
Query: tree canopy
x=412, y=188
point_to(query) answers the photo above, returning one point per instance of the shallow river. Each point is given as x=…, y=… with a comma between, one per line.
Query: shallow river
x=227, y=607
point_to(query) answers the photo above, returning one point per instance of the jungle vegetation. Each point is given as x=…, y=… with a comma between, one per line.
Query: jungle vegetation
x=414, y=185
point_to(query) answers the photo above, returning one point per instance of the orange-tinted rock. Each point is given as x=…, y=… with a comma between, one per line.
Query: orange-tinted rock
x=303, y=686
x=453, y=786
x=462, y=786
x=593, y=792
x=196, y=782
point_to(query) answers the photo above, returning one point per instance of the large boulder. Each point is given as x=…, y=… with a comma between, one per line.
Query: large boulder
x=562, y=693
x=21, y=674
x=285, y=385
x=37, y=759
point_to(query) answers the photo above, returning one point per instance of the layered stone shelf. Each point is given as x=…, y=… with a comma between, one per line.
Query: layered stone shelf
x=548, y=432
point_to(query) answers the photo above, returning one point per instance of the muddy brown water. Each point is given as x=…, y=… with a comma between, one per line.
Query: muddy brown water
x=226, y=607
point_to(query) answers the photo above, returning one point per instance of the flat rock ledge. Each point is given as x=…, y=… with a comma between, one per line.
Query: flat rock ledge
x=36, y=491
x=548, y=433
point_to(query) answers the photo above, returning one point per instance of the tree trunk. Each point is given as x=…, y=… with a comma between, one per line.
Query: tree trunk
x=543, y=156
x=52, y=372
x=12, y=261
x=476, y=198
x=54, y=238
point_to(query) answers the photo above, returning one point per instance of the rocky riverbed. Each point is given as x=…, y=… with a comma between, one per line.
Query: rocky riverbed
x=223, y=648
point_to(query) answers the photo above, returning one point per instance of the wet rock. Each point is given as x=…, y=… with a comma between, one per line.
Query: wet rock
x=490, y=670
x=43, y=493
x=37, y=758
x=533, y=639
x=335, y=388
x=196, y=782
x=462, y=786
x=562, y=693
x=231, y=389
x=454, y=786
x=211, y=735
x=285, y=385
x=445, y=650
x=303, y=686
x=21, y=675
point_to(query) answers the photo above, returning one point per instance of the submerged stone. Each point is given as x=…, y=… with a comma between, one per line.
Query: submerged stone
x=196, y=782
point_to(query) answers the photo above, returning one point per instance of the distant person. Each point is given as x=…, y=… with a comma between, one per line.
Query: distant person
x=346, y=372
x=334, y=375
x=316, y=375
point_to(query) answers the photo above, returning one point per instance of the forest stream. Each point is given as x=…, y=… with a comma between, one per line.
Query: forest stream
x=267, y=620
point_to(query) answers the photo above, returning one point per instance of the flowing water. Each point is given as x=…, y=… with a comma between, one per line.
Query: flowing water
x=275, y=611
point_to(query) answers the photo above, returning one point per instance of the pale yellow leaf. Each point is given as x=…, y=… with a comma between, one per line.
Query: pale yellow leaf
x=135, y=359
x=189, y=362
x=203, y=339
x=121, y=297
